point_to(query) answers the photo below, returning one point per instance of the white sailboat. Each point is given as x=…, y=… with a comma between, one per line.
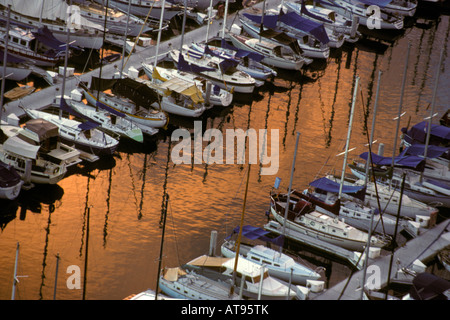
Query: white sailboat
x=279, y=265
x=84, y=136
x=254, y=278
x=334, y=23
x=112, y=123
x=350, y=8
x=275, y=55
x=146, y=117
x=221, y=72
x=177, y=283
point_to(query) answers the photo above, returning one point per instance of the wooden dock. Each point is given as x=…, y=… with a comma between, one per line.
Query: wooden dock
x=423, y=248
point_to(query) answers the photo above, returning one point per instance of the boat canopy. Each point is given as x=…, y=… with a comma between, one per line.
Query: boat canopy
x=183, y=87
x=183, y=65
x=17, y=146
x=404, y=161
x=208, y=261
x=419, y=150
x=254, y=233
x=328, y=185
x=439, y=134
x=43, y=128
x=294, y=20
x=45, y=36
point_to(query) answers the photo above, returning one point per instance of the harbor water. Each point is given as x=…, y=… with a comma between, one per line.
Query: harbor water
x=104, y=220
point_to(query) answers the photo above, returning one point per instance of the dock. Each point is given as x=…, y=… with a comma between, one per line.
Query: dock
x=423, y=248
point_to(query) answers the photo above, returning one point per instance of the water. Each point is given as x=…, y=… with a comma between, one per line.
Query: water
x=124, y=194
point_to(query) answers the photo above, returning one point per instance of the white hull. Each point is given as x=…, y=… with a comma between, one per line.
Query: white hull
x=15, y=73
x=224, y=98
x=143, y=118
x=278, y=62
x=242, y=84
x=12, y=192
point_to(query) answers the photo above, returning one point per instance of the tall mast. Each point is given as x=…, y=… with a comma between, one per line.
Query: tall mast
x=5, y=60
x=349, y=133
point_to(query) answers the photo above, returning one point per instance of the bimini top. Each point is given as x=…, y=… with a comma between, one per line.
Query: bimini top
x=328, y=185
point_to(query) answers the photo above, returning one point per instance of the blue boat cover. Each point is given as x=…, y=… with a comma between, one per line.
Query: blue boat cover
x=419, y=150
x=418, y=133
x=88, y=125
x=183, y=65
x=294, y=20
x=254, y=233
x=45, y=36
x=328, y=185
x=109, y=109
x=380, y=3
x=404, y=161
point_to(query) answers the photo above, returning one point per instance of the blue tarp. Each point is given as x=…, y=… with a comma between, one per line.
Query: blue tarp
x=404, y=161
x=380, y=3
x=418, y=133
x=294, y=20
x=316, y=29
x=419, y=150
x=328, y=185
x=254, y=233
x=183, y=65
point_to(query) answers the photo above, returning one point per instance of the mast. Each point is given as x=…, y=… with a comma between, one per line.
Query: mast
x=5, y=58
x=159, y=32
x=349, y=133
x=209, y=23
x=66, y=57
x=433, y=101
x=394, y=152
x=125, y=39
x=290, y=186
x=103, y=50
x=240, y=234
x=225, y=18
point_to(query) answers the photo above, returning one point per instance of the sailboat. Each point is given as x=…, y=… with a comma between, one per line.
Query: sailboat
x=254, y=278
x=141, y=112
x=113, y=123
x=303, y=218
x=349, y=8
x=221, y=72
x=118, y=22
x=275, y=55
x=310, y=36
x=279, y=264
x=324, y=194
x=179, y=283
x=213, y=95
x=84, y=136
x=54, y=15
x=333, y=22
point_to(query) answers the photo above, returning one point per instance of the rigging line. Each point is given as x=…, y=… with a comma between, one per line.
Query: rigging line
x=139, y=35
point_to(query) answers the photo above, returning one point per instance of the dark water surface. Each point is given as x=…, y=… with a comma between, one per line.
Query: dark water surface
x=124, y=194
